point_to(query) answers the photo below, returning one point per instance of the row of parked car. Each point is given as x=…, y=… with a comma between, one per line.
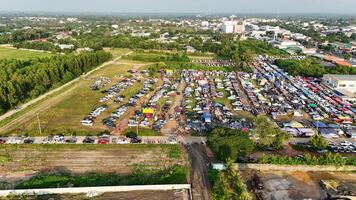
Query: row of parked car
x=147, y=87
x=100, y=83
x=215, y=63
x=103, y=139
x=343, y=147
x=89, y=120
x=118, y=87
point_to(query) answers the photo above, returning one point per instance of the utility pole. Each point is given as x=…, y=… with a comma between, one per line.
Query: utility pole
x=137, y=125
x=39, y=124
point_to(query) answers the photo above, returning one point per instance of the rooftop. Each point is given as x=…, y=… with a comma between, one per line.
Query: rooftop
x=342, y=77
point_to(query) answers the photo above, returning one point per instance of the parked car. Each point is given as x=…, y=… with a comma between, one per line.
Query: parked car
x=89, y=140
x=71, y=140
x=15, y=141
x=2, y=140
x=28, y=140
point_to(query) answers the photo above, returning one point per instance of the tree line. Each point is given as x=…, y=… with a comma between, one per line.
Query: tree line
x=311, y=67
x=23, y=80
x=44, y=46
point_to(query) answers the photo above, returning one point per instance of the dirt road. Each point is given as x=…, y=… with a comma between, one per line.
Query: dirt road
x=12, y=112
x=172, y=126
x=199, y=171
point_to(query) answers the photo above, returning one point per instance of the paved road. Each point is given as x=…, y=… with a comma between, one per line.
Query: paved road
x=145, y=139
x=12, y=112
x=199, y=161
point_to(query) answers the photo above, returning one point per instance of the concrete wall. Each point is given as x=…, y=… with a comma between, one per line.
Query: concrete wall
x=269, y=167
x=97, y=190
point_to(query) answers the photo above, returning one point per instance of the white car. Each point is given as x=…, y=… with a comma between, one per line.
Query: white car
x=346, y=143
x=15, y=141
x=46, y=141
x=87, y=122
x=123, y=141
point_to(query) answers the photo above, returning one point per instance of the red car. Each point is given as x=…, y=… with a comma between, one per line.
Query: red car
x=103, y=141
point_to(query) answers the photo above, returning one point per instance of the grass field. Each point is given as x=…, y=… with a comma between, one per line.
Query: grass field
x=67, y=108
x=65, y=116
x=142, y=131
x=9, y=53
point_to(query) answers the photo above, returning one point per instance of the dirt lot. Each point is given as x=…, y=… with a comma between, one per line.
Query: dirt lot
x=19, y=162
x=134, y=195
x=298, y=185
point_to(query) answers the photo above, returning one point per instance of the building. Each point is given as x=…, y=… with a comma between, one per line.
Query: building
x=345, y=85
x=205, y=24
x=228, y=27
x=237, y=27
x=65, y=46
x=337, y=60
x=191, y=49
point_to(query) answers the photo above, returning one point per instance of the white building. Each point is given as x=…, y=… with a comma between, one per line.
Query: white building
x=343, y=82
x=284, y=44
x=233, y=27
x=228, y=27
x=205, y=24
x=65, y=46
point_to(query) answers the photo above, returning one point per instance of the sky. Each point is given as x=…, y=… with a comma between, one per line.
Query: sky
x=183, y=6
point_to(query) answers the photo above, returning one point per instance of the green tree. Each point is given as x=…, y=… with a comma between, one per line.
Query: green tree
x=268, y=135
x=317, y=141
x=229, y=185
x=229, y=143
x=247, y=57
x=347, y=56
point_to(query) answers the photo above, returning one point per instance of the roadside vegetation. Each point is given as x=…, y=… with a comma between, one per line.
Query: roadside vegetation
x=141, y=175
x=326, y=159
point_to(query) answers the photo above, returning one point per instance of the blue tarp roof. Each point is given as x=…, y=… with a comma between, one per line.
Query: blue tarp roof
x=207, y=117
x=320, y=124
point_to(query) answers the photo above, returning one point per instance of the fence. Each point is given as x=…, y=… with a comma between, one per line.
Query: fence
x=95, y=190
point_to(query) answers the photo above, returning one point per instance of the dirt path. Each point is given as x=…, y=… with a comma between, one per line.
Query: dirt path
x=199, y=172
x=49, y=102
x=172, y=126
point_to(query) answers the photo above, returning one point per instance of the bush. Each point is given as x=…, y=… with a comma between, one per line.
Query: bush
x=140, y=176
x=318, y=142
x=307, y=159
